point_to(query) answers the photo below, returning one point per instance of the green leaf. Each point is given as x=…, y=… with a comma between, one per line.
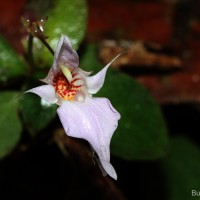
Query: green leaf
x=181, y=169
x=36, y=113
x=66, y=17
x=11, y=65
x=10, y=125
x=89, y=61
x=141, y=133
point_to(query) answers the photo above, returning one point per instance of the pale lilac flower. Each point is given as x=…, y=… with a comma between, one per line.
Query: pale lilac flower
x=82, y=116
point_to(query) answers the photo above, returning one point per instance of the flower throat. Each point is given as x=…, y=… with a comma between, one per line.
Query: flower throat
x=67, y=83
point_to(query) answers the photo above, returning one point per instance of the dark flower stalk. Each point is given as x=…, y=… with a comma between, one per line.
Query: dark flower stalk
x=36, y=29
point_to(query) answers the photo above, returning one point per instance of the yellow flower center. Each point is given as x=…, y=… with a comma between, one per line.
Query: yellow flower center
x=67, y=84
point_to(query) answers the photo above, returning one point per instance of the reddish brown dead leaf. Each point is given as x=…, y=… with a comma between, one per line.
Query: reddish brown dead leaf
x=181, y=86
x=137, y=55
x=153, y=22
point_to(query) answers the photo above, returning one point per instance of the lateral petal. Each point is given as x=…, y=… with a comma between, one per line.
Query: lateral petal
x=46, y=92
x=94, y=83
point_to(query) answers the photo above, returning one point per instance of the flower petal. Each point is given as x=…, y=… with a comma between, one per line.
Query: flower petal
x=46, y=92
x=106, y=168
x=94, y=83
x=65, y=54
x=109, y=169
x=95, y=120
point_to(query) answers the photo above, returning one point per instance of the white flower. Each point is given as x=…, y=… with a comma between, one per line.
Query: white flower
x=82, y=116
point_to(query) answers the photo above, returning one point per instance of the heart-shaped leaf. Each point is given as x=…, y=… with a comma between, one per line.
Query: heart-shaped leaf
x=10, y=124
x=11, y=64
